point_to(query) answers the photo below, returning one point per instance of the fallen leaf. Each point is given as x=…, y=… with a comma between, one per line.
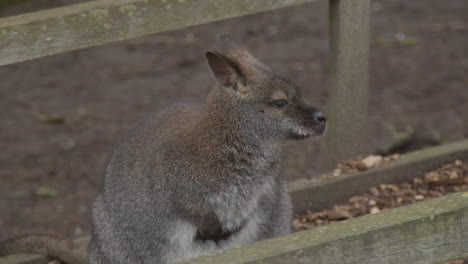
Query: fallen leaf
x=46, y=192
x=53, y=118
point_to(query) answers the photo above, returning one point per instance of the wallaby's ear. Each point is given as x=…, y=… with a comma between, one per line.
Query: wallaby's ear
x=226, y=72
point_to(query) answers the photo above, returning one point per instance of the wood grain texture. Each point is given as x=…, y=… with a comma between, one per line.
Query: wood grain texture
x=348, y=84
x=93, y=23
x=427, y=232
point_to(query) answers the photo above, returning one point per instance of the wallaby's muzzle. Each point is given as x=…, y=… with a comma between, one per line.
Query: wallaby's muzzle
x=312, y=121
x=317, y=120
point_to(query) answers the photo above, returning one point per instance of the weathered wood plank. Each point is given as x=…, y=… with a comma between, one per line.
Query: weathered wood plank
x=423, y=233
x=349, y=66
x=320, y=194
x=93, y=23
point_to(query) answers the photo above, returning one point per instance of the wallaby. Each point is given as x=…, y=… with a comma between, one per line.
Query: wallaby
x=197, y=179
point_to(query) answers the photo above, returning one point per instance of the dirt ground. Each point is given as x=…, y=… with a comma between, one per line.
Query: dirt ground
x=60, y=115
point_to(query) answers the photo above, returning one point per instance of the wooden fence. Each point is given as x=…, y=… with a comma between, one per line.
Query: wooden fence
x=428, y=232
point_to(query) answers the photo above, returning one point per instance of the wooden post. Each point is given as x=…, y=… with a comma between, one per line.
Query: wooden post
x=349, y=66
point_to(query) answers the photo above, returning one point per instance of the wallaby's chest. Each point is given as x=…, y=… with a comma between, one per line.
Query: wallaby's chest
x=235, y=204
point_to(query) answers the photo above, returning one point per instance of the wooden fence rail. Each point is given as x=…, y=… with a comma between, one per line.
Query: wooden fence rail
x=93, y=23
x=427, y=232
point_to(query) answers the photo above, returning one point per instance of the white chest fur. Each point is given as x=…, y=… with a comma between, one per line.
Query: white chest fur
x=237, y=203
x=234, y=206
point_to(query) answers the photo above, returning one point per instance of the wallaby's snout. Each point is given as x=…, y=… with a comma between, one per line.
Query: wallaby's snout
x=320, y=118
x=310, y=121
x=316, y=120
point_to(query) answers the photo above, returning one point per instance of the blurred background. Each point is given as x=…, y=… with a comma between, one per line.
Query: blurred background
x=60, y=115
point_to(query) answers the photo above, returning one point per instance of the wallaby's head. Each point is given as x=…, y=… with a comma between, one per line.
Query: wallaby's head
x=271, y=105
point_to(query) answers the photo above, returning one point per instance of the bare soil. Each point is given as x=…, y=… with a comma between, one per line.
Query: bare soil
x=60, y=115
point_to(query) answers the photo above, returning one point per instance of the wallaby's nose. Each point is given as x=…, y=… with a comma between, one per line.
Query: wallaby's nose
x=320, y=117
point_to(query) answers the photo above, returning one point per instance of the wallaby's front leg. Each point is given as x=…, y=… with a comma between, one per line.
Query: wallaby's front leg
x=280, y=221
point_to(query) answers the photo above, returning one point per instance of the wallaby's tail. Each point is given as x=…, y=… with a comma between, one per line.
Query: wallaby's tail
x=51, y=245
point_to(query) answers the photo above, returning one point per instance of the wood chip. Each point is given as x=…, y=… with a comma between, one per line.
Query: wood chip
x=372, y=161
x=374, y=210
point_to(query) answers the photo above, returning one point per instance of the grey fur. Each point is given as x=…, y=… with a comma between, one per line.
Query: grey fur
x=202, y=168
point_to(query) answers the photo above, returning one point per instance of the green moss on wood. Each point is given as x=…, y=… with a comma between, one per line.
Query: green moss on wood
x=99, y=22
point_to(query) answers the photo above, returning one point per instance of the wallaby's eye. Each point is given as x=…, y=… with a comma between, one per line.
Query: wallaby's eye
x=281, y=104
